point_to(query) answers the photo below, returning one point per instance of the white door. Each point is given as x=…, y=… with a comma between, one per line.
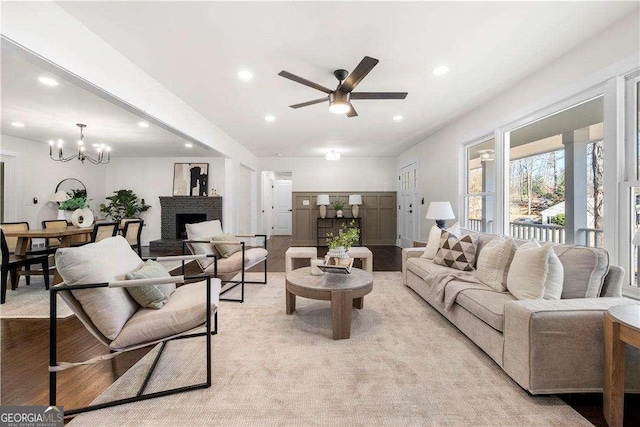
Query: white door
x=409, y=211
x=282, y=207
x=267, y=204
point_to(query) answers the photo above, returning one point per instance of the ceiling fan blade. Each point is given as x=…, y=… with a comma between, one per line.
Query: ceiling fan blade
x=352, y=112
x=288, y=75
x=358, y=74
x=378, y=95
x=304, y=104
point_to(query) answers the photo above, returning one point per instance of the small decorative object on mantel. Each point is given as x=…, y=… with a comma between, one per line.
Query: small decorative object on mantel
x=322, y=201
x=355, y=200
x=190, y=179
x=339, y=245
x=338, y=205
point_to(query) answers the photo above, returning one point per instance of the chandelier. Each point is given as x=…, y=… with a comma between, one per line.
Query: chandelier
x=103, y=151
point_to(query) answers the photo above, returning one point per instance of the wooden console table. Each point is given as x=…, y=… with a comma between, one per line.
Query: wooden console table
x=621, y=326
x=326, y=225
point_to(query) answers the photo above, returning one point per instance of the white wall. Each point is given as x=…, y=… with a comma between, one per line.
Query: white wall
x=38, y=176
x=243, y=201
x=152, y=177
x=614, y=51
x=346, y=174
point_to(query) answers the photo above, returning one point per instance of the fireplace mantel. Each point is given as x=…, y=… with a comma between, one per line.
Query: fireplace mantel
x=170, y=206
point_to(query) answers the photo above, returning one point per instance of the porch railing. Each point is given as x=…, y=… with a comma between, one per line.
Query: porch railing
x=553, y=233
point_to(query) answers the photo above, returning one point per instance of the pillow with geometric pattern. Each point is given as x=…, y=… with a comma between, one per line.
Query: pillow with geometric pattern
x=457, y=252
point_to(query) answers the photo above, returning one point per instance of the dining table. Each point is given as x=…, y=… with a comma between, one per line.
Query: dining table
x=65, y=237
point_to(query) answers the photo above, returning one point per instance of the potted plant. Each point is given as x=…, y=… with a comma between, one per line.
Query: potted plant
x=340, y=244
x=337, y=205
x=78, y=200
x=124, y=204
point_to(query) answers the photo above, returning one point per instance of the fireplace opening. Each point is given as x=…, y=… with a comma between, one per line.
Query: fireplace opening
x=188, y=218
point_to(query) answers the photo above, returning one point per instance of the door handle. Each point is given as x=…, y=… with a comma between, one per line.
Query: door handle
x=410, y=211
x=290, y=210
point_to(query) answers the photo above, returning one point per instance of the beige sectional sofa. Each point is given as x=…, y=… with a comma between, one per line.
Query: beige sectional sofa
x=546, y=346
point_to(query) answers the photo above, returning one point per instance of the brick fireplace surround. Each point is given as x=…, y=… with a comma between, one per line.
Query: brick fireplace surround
x=172, y=206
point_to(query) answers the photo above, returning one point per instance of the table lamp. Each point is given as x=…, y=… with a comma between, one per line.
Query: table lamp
x=355, y=200
x=323, y=201
x=440, y=211
x=59, y=197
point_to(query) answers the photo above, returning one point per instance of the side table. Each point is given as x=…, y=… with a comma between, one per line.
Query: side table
x=621, y=326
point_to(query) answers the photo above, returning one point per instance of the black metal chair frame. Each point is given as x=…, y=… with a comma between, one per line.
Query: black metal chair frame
x=139, y=395
x=10, y=268
x=125, y=230
x=96, y=227
x=242, y=280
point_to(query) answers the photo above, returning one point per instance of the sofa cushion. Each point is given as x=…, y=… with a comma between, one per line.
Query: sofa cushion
x=234, y=262
x=226, y=249
x=433, y=243
x=585, y=270
x=487, y=306
x=457, y=252
x=105, y=261
x=426, y=267
x=535, y=273
x=151, y=296
x=494, y=261
x=185, y=309
x=204, y=231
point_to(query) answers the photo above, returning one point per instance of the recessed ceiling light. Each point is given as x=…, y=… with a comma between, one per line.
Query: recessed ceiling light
x=245, y=75
x=332, y=155
x=438, y=71
x=143, y=124
x=48, y=81
x=17, y=124
x=188, y=145
x=397, y=118
x=278, y=154
x=270, y=118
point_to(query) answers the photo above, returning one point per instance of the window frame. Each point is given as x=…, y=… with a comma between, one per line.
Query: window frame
x=465, y=195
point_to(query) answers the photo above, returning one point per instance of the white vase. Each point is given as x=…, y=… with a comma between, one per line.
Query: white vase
x=68, y=215
x=82, y=218
x=339, y=213
x=338, y=252
x=61, y=214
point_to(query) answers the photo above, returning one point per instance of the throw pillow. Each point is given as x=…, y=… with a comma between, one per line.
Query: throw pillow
x=457, y=252
x=433, y=243
x=105, y=261
x=226, y=250
x=493, y=262
x=204, y=231
x=535, y=273
x=154, y=296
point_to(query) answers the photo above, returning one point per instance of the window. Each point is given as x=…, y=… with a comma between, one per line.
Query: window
x=480, y=186
x=555, y=177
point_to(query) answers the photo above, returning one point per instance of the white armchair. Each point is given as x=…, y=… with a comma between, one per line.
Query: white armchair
x=94, y=289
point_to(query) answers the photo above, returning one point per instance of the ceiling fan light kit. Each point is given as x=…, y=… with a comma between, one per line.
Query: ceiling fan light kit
x=340, y=98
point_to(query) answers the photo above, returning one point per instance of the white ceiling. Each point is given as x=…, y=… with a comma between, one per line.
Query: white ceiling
x=195, y=49
x=52, y=113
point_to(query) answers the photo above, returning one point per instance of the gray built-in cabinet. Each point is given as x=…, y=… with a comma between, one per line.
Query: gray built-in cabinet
x=378, y=213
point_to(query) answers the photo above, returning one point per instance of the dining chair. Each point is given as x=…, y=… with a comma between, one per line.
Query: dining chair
x=56, y=224
x=132, y=231
x=11, y=244
x=11, y=264
x=102, y=230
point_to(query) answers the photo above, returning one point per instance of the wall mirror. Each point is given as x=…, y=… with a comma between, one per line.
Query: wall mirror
x=73, y=187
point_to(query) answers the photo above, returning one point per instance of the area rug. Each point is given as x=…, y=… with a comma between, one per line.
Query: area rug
x=404, y=365
x=32, y=302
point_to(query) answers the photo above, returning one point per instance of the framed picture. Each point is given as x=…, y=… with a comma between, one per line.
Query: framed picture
x=190, y=179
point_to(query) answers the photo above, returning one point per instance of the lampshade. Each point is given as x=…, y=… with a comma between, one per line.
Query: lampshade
x=355, y=199
x=60, y=196
x=636, y=237
x=440, y=210
x=323, y=199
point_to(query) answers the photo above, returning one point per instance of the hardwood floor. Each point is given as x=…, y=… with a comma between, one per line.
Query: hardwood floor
x=25, y=344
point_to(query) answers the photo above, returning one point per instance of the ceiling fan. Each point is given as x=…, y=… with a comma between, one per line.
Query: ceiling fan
x=340, y=99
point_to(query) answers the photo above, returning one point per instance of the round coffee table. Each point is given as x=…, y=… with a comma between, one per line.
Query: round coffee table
x=343, y=290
